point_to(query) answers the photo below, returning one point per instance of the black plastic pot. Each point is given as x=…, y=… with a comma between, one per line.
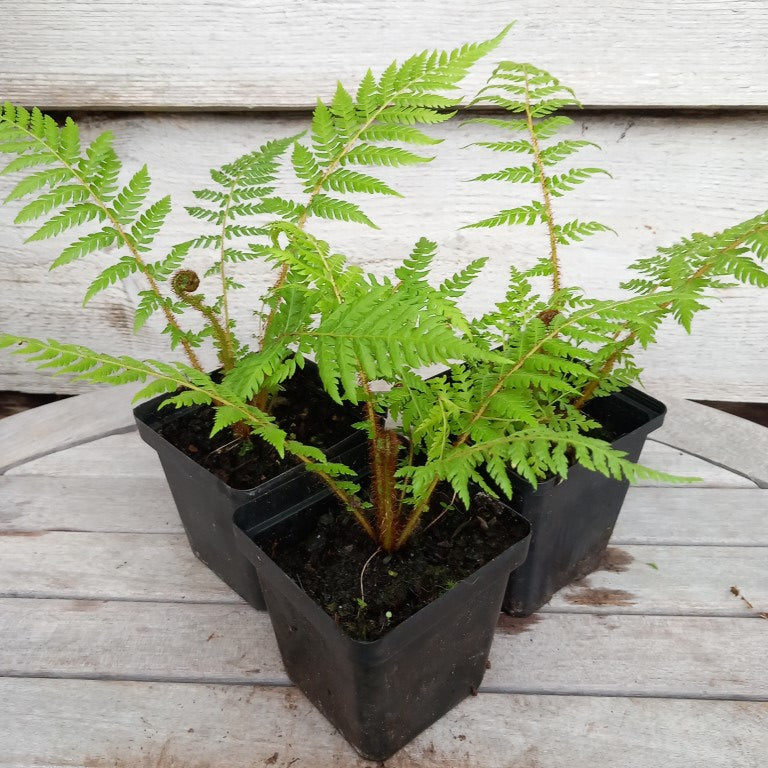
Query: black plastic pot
x=206, y=503
x=573, y=519
x=379, y=694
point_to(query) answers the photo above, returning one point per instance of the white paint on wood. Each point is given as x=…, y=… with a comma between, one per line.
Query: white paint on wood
x=65, y=423
x=86, y=724
x=237, y=54
x=704, y=516
x=661, y=656
x=700, y=431
x=672, y=176
x=127, y=456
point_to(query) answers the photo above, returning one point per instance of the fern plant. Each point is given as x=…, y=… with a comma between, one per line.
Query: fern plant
x=520, y=375
x=562, y=350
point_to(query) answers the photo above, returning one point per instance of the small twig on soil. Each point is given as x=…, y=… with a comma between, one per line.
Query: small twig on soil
x=736, y=592
x=224, y=447
x=362, y=573
x=445, y=509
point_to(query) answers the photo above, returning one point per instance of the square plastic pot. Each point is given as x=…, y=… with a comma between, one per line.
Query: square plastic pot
x=206, y=503
x=572, y=520
x=379, y=694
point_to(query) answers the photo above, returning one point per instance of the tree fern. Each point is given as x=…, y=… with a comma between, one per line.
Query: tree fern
x=79, y=188
x=369, y=129
x=523, y=89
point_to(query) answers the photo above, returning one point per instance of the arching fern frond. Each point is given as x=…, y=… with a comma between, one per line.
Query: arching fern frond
x=78, y=187
x=525, y=90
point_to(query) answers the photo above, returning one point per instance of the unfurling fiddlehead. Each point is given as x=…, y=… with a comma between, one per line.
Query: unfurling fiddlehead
x=184, y=283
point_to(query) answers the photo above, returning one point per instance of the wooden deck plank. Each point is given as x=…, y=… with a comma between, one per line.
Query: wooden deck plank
x=126, y=456
x=138, y=55
x=88, y=724
x=119, y=504
x=127, y=566
x=703, y=516
x=699, y=431
x=63, y=424
x=662, y=656
x=671, y=176
x=669, y=580
x=106, y=566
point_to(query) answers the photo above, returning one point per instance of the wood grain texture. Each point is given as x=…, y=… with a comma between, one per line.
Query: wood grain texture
x=126, y=456
x=60, y=425
x=687, y=580
x=119, y=504
x=702, y=516
x=151, y=725
x=660, y=580
x=240, y=55
x=107, y=565
x=605, y=655
x=700, y=433
x=671, y=175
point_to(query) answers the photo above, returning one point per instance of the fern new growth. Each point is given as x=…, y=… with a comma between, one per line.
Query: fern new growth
x=535, y=96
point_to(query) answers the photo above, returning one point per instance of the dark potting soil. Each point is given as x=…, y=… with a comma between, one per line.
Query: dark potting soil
x=327, y=564
x=302, y=409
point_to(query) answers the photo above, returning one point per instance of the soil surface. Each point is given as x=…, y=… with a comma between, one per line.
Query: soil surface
x=301, y=408
x=336, y=557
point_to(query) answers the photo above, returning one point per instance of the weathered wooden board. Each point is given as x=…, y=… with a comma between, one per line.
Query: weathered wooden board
x=88, y=724
x=671, y=176
x=123, y=456
x=663, y=580
x=125, y=566
x=126, y=456
x=106, y=565
x=59, y=425
x=732, y=517
x=699, y=431
x=283, y=54
x=40, y=503
x=681, y=657
x=703, y=516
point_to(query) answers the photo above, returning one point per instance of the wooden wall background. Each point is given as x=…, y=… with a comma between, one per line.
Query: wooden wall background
x=675, y=91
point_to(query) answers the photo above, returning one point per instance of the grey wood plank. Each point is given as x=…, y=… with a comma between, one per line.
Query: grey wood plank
x=144, y=55
x=669, y=580
x=63, y=424
x=121, y=456
x=699, y=430
x=671, y=176
x=662, y=656
x=87, y=724
x=127, y=504
x=106, y=565
x=126, y=456
x=127, y=566
x=703, y=516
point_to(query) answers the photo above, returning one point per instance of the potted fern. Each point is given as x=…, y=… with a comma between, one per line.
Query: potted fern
x=215, y=461
x=521, y=404
x=570, y=360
